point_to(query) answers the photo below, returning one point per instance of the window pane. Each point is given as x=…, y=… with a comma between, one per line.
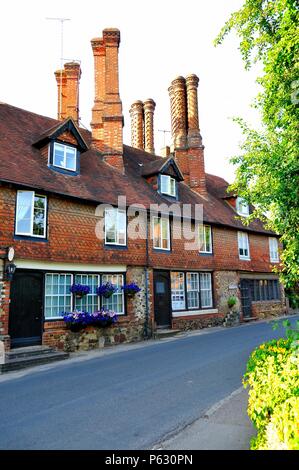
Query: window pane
x=208, y=238
x=178, y=291
x=70, y=158
x=116, y=301
x=193, y=290
x=58, y=159
x=165, y=184
x=206, y=290
x=24, y=212
x=165, y=233
x=121, y=227
x=110, y=226
x=57, y=295
x=157, y=232
x=172, y=187
x=39, y=216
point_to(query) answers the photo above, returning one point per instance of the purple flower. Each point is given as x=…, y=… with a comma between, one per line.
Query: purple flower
x=79, y=289
x=131, y=289
x=106, y=289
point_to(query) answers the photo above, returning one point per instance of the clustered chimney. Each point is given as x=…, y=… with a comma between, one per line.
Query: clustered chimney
x=68, y=91
x=107, y=118
x=187, y=141
x=142, y=125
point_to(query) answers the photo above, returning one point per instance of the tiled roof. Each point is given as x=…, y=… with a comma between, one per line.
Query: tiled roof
x=21, y=163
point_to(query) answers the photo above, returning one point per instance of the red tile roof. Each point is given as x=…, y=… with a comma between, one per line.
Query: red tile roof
x=22, y=164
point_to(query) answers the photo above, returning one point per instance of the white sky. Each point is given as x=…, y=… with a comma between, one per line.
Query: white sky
x=160, y=39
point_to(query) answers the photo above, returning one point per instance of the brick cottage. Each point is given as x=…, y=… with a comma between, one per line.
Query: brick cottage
x=55, y=177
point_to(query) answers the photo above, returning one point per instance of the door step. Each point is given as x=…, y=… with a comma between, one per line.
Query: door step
x=250, y=319
x=31, y=356
x=166, y=333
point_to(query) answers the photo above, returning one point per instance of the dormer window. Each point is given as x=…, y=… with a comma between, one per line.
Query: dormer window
x=242, y=207
x=168, y=185
x=64, y=157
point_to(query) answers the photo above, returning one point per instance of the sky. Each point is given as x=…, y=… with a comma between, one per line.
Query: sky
x=160, y=39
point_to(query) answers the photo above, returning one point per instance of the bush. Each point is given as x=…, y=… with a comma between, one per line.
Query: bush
x=231, y=301
x=273, y=377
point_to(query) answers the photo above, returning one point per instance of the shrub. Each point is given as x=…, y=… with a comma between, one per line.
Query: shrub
x=273, y=377
x=231, y=301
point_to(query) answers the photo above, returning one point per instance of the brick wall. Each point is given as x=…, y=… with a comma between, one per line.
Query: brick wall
x=71, y=238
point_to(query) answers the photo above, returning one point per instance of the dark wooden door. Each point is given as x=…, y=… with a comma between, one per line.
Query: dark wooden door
x=162, y=299
x=246, y=298
x=25, y=317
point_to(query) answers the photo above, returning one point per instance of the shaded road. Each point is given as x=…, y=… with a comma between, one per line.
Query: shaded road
x=129, y=399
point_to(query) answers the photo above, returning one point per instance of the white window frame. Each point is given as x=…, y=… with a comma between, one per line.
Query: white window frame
x=108, y=277
x=189, y=280
x=83, y=278
x=102, y=278
x=58, y=295
x=161, y=221
x=31, y=234
x=178, y=292
x=242, y=207
x=242, y=236
x=203, y=238
x=118, y=229
x=203, y=288
x=273, y=250
x=65, y=147
x=169, y=182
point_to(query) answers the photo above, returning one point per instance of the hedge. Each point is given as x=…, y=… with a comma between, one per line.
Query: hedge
x=273, y=377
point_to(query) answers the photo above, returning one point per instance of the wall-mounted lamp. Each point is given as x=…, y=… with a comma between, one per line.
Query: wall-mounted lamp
x=9, y=271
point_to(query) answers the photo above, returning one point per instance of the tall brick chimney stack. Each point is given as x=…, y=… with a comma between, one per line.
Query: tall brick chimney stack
x=137, y=125
x=179, y=105
x=99, y=54
x=68, y=91
x=61, y=89
x=107, y=120
x=73, y=75
x=187, y=141
x=149, y=109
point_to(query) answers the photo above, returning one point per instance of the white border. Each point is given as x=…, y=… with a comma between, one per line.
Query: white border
x=84, y=268
x=190, y=313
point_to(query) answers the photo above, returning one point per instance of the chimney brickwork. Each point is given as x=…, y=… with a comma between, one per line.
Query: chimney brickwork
x=68, y=91
x=187, y=141
x=137, y=125
x=99, y=54
x=142, y=125
x=107, y=117
x=149, y=109
x=61, y=90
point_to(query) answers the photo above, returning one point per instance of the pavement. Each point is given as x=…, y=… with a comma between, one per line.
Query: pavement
x=225, y=426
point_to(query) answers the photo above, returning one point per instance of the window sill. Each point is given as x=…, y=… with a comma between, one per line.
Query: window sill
x=244, y=259
x=205, y=253
x=189, y=313
x=115, y=247
x=30, y=238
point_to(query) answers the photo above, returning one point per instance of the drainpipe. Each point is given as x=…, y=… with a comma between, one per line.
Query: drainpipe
x=145, y=331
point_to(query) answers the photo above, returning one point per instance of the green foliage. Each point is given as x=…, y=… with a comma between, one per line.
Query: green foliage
x=231, y=301
x=273, y=377
x=267, y=173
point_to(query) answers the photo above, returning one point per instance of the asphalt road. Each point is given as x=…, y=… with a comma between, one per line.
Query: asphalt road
x=129, y=399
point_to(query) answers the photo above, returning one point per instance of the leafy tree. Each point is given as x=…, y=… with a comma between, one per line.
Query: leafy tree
x=267, y=170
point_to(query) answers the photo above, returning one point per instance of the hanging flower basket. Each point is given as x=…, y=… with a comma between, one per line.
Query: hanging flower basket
x=131, y=289
x=103, y=318
x=79, y=290
x=77, y=320
x=106, y=290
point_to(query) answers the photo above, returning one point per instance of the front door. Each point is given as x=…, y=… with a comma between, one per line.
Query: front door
x=25, y=315
x=246, y=298
x=162, y=299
